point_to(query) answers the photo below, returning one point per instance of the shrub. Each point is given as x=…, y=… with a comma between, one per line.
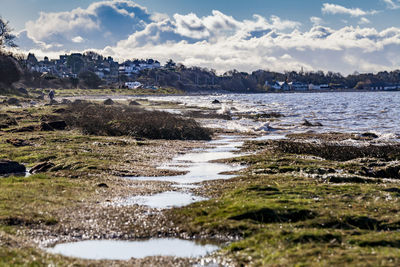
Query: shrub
x=95, y=119
x=90, y=79
x=9, y=70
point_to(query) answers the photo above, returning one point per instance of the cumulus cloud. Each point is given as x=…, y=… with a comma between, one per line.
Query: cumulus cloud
x=392, y=4
x=338, y=9
x=364, y=20
x=126, y=30
x=318, y=48
x=316, y=21
x=102, y=23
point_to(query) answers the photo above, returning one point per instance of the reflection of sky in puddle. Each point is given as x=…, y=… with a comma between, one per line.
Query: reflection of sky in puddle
x=165, y=200
x=270, y=137
x=125, y=250
x=198, y=165
x=198, y=169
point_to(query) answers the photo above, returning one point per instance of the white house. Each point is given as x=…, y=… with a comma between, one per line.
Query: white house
x=284, y=86
x=298, y=86
x=133, y=85
x=273, y=85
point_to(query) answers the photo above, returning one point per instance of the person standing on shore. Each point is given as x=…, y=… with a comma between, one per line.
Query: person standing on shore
x=51, y=95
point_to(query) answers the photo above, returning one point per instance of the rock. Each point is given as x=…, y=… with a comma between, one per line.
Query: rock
x=59, y=110
x=42, y=167
x=369, y=135
x=108, y=102
x=102, y=185
x=270, y=115
x=78, y=101
x=23, y=129
x=22, y=91
x=309, y=124
x=134, y=103
x=13, y=101
x=18, y=142
x=216, y=101
x=392, y=190
x=9, y=167
x=44, y=126
x=65, y=101
x=53, y=102
x=58, y=125
x=7, y=121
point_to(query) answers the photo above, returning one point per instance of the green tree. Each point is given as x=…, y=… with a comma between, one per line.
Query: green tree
x=6, y=37
x=90, y=79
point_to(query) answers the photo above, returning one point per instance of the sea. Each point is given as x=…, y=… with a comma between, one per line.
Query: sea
x=344, y=112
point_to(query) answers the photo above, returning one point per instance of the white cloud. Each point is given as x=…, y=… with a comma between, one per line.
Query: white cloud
x=338, y=9
x=125, y=30
x=77, y=39
x=364, y=20
x=102, y=23
x=392, y=4
x=316, y=21
x=318, y=48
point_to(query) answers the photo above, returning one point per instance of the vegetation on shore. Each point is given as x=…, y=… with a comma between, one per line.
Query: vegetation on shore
x=298, y=209
x=298, y=203
x=115, y=120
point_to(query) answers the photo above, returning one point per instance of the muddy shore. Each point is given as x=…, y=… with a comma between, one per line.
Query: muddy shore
x=308, y=198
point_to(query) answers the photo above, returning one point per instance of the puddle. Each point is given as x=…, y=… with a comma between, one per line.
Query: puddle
x=125, y=250
x=165, y=200
x=271, y=137
x=198, y=166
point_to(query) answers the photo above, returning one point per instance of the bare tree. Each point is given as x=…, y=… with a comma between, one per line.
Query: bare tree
x=6, y=37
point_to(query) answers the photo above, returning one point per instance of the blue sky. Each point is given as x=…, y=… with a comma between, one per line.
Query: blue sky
x=338, y=35
x=20, y=11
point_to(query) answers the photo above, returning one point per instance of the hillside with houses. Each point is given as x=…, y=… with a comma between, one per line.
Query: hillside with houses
x=92, y=70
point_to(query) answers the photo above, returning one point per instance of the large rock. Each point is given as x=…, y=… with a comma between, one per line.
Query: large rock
x=13, y=101
x=108, y=102
x=58, y=125
x=134, y=103
x=216, y=101
x=10, y=167
x=44, y=126
x=42, y=167
x=309, y=124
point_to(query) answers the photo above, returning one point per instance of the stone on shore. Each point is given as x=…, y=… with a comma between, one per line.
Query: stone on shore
x=10, y=167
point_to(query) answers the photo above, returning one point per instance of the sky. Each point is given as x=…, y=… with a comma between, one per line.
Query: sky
x=331, y=35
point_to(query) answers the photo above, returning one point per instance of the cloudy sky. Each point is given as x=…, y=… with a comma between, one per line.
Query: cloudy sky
x=337, y=35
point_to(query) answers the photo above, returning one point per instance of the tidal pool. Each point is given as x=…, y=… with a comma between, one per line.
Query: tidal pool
x=125, y=250
x=165, y=200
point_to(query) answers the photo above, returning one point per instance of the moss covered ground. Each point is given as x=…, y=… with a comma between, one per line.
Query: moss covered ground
x=286, y=213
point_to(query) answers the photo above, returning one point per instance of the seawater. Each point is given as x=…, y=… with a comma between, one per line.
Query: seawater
x=354, y=112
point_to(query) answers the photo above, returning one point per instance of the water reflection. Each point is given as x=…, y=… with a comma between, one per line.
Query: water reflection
x=125, y=250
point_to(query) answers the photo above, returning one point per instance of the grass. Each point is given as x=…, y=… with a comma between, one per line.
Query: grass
x=114, y=120
x=36, y=199
x=109, y=91
x=285, y=213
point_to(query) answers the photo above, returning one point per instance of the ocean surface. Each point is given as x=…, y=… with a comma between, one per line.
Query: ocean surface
x=354, y=112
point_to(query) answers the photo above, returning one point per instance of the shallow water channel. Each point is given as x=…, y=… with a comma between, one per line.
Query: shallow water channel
x=199, y=167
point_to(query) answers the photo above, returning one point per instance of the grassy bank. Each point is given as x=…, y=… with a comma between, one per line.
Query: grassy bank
x=287, y=211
